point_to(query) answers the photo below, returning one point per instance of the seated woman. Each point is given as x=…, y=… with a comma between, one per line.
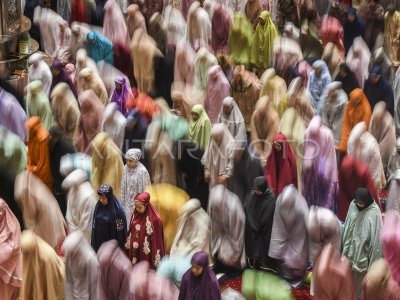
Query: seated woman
x=109, y=221
x=200, y=282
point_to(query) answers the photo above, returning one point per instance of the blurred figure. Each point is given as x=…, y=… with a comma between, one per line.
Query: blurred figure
x=390, y=242
x=264, y=36
x=259, y=208
x=200, y=281
x=47, y=20
x=11, y=256
x=245, y=88
x=180, y=105
x=59, y=76
x=200, y=127
x=299, y=98
x=193, y=233
x=330, y=265
x=28, y=11
x=361, y=235
x=333, y=58
x=319, y=168
x=332, y=32
x=63, y=44
x=396, y=90
x=331, y=109
x=357, y=110
x=394, y=160
x=264, y=125
x=381, y=59
x=123, y=63
x=144, y=104
x=74, y=161
x=372, y=13
x=13, y=152
x=12, y=115
x=90, y=80
x=174, y=23
x=280, y=170
x=221, y=24
x=391, y=33
x=347, y=78
x=65, y=110
x=134, y=20
x=376, y=88
x=173, y=268
x=274, y=87
x=260, y=285
x=318, y=82
x=352, y=28
x=71, y=73
x=287, y=13
x=252, y=11
x=240, y=40
x=90, y=121
x=99, y=47
x=107, y=164
x=289, y=237
x=37, y=104
x=363, y=146
x=114, y=28
x=217, y=89
x=81, y=201
x=185, y=57
x=158, y=32
x=40, y=210
x=231, y=116
x=39, y=70
x=81, y=268
x=379, y=282
x=204, y=60
x=39, y=257
x=109, y=221
x=84, y=61
x=114, y=279
x=38, y=151
x=135, y=180
x=227, y=230
x=145, y=241
x=82, y=11
x=198, y=29
x=381, y=127
x=218, y=156
x=353, y=174
x=135, y=130
x=114, y=124
x=358, y=58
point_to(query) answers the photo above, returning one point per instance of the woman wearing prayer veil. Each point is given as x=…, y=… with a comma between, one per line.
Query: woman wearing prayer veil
x=361, y=242
x=114, y=28
x=59, y=75
x=135, y=180
x=12, y=115
x=40, y=209
x=121, y=94
x=264, y=36
x=218, y=156
x=81, y=268
x=135, y=130
x=145, y=240
x=109, y=221
x=357, y=110
x=37, y=104
x=100, y=48
x=289, y=237
x=391, y=33
x=382, y=129
x=221, y=23
x=259, y=209
x=240, y=40
x=38, y=257
x=390, y=242
x=200, y=127
x=90, y=121
x=231, y=116
x=11, y=257
x=39, y=70
x=274, y=87
x=281, y=169
x=319, y=169
x=252, y=11
x=358, y=59
x=318, y=82
x=114, y=124
x=331, y=109
x=227, y=229
x=90, y=80
x=332, y=57
x=107, y=163
x=347, y=78
x=352, y=28
x=299, y=98
x=199, y=282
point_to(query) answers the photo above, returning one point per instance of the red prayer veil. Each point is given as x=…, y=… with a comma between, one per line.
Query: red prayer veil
x=353, y=174
x=146, y=234
x=280, y=169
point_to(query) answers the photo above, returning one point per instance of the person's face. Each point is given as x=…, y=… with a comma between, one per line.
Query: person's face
x=217, y=138
x=360, y=205
x=318, y=71
x=343, y=73
x=103, y=200
x=277, y=146
x=118, y=86
x=131, y=163
x=357, y=101
x=332, y=93
x=197, y=270
x=259, y=193
x=227, y=109
x=55, y=72
x=195, y=116
x=92, y=42
x=261, y=21
x=33, y=93
x=351, y=18
x=374, y=78
x=140, y=207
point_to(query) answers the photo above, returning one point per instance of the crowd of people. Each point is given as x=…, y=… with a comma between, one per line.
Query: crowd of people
x=164, y=149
